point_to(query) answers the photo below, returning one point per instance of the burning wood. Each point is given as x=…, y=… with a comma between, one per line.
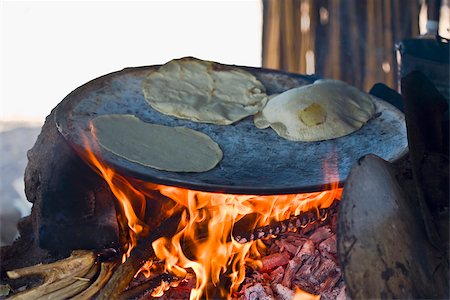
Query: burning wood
x=293, y=223
x=142, y=253
x=148, y=286
x=274, y=260
x=294, y=263
x=208, y=223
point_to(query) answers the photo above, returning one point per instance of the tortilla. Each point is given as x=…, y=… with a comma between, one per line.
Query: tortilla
x=326, y=109
x=204, y=91
x=174, y=149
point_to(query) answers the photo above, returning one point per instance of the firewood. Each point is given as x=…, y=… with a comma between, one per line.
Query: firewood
x=147, y=286
x=328, y=245
x=57, y=275
x=308, y=267
x=106, y=272
x=276, y=276
x=291, y=224
x=274, y=260
x=332, y=279
x=321, y=234
x=325, y=268
x=289, y=247
x=292, y=268
x=307, y=249
x=139, y=255
x=80, y=284
x=294, y=238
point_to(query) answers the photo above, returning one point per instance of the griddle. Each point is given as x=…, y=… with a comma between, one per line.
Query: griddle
x=254, y=161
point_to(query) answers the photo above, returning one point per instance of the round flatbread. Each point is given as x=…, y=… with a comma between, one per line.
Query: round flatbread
x=175, y=149
x=324, y=110
x=204, y=91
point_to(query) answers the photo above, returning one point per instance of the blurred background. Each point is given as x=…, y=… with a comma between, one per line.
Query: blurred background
x=49, y=48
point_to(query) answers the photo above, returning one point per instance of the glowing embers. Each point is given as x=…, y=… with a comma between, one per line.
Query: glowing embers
x=205, y=243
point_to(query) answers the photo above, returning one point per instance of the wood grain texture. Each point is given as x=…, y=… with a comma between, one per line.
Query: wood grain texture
x=351, y=40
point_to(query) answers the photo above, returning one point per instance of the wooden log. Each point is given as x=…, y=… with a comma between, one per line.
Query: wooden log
x=139, y=255
x=106, y=271
x=291, y=224
x=274, y=260
x=147, y=286
x=61, y=279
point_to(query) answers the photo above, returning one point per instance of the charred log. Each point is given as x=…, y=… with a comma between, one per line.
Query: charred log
x=147, y=287
x=291, y=224
x=139, y=255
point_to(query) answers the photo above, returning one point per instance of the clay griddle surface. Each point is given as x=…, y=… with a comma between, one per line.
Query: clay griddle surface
x=255, y=161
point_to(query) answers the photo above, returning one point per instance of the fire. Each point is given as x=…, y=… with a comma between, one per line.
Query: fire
x=302, y=295
x=131, y=201
x=204, y=242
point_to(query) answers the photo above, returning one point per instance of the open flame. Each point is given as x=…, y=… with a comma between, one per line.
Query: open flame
x=203, y=243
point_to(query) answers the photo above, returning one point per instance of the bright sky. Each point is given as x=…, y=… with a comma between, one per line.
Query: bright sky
x=50, y=48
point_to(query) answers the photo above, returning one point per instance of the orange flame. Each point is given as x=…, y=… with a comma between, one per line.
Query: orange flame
x=131, y=201
x=216, y=254
x=204, y=242
x=302, y=295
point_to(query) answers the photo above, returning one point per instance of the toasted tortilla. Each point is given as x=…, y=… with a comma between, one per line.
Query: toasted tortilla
x=204, y=91
x=324, y=110
x=174, y=149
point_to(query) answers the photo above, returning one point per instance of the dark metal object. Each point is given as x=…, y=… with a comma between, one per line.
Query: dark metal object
x=255, y=161
x=389, y=95
x=429, y=143
x=383, y=249
x=430, y=56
